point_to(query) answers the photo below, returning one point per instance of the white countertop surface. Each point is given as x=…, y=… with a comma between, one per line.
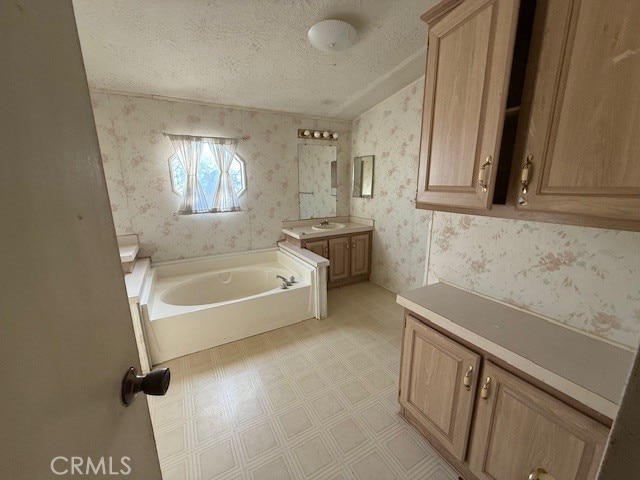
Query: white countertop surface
x=134, y=280
x=128, y=246
x=592, y=371
x=307, y=255
x=305, y=232
x=128, y=253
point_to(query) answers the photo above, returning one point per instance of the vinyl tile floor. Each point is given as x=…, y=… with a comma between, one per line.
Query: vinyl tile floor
x=316, y=400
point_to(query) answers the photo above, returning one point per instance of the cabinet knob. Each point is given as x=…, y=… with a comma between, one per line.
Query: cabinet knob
x=482, y=173
x=468, y=378
x=524, y=174
x=540, y=473
x=353, y=245
x=484, y=393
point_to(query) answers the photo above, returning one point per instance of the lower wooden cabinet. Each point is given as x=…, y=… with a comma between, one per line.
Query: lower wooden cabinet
x=360, y=254
x=515, y=426
x=319, y=247
x=518, y=428
x=350, y=256
x=438, y=384
x=339, y=256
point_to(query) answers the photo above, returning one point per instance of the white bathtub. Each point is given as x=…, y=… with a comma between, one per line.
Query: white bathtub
x=193, y=305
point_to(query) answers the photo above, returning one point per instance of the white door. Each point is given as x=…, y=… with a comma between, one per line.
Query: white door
x=66, y=337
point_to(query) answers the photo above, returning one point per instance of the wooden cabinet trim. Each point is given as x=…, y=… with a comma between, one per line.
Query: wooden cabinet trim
x=512, y=212
x=439, y=10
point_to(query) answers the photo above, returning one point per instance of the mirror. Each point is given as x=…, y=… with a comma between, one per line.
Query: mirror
x=317, y=180
x=363, y=176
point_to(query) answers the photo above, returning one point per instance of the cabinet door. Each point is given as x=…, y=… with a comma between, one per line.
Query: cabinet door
x=518, y=427
x=319, y=247
x=339, y=258
x=432, y=385
x=583, y=136
x=466, y=81
x=360, y=254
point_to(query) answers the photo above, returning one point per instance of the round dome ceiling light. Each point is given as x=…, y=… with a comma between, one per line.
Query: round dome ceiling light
x=332, y=35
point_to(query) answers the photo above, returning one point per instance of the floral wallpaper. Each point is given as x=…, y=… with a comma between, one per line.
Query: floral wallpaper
x=584, y=277
x=391, y=132
x=314, y=163
x=135, y=158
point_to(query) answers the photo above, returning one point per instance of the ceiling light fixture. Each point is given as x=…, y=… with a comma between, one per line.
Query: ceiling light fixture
x=332, y=35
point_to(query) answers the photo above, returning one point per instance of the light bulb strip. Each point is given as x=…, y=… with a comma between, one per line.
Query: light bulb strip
x=318, y=134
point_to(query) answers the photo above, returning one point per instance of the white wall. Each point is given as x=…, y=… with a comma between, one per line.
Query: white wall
x=135, y=157
x=585, y=277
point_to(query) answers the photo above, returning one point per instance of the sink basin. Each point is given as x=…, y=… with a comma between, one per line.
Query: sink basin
x=330, y=226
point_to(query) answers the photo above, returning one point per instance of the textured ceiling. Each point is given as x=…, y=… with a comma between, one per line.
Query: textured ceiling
x=253, y=53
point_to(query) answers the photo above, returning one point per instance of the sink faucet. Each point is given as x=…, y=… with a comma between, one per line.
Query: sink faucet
x=324, y=222
x=287, y=282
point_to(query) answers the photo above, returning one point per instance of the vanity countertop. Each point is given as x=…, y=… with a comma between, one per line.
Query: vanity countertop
x=591, y=370
x=305, y=232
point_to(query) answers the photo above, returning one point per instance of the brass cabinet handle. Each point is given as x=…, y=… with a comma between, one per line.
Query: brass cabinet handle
x=524, y=175
x=484, y=393
x=353, y=245
x=482, y=174
x=468, y=378
x=347, y=245
x=540, y=473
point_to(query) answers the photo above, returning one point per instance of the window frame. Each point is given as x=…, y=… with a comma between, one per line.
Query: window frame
x=243, y=171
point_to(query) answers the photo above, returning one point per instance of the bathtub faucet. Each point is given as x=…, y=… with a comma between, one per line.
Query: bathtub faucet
x=287, y=282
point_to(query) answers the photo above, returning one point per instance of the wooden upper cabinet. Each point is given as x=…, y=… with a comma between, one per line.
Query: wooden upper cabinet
x=432, y=384
x=518, y=428
x=466, y=83
x=584, y=128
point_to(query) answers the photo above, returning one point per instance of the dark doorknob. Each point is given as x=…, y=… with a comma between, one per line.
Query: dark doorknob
x=153, y=383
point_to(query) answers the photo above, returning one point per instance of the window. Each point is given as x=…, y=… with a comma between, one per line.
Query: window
x=210, y=192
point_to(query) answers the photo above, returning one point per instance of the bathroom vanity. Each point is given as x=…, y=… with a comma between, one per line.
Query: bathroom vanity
x=346, y=243
x=504, y=394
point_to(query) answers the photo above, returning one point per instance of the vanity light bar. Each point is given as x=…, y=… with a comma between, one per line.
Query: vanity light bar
x=317, y=134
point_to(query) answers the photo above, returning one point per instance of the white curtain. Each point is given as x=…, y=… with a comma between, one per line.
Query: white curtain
x=188, y=149
x=225, y=199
